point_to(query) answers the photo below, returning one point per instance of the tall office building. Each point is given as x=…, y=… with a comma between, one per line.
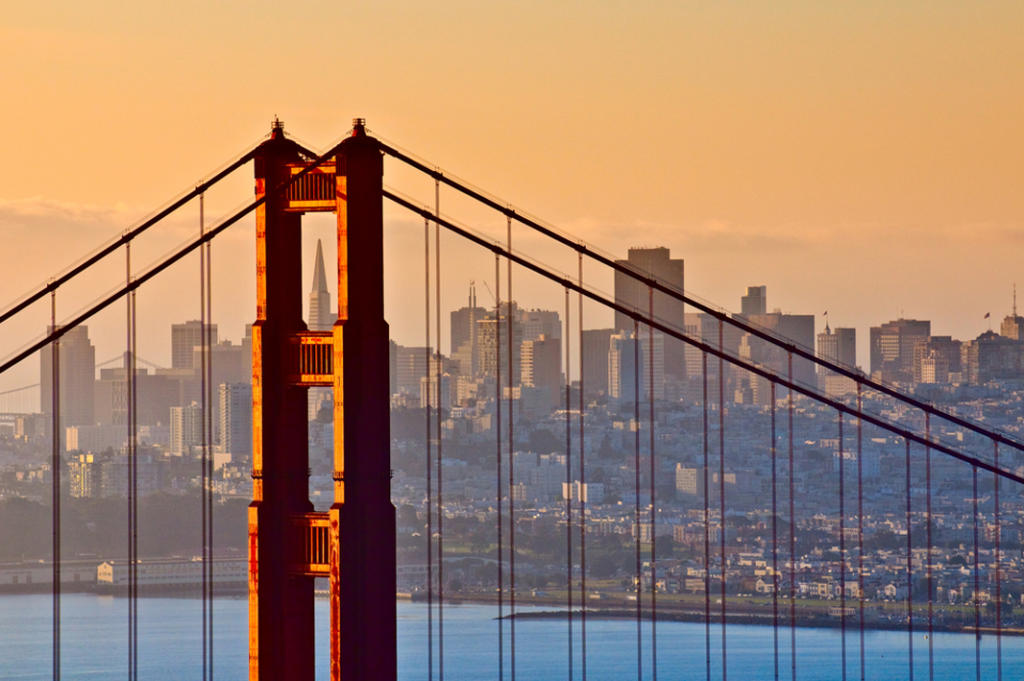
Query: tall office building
x=321, y=315
x=839, y=347
x=796, y=328
x=655, y=263
x=541, y=361
x=595, y=360
x=892, y=348
x=537, y=323
x=629, y=367
x=494, y=346
x=755, y=302
x=77, y=376
x=463, y=342
x=1013, y=324
x=184, y=339
x=410, y=365
x=937, y=360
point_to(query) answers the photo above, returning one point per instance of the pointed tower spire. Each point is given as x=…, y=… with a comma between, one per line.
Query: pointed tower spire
x=319, y=277
x=321, y=315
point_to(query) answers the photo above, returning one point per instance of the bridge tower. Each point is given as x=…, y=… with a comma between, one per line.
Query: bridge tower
x=289, y=543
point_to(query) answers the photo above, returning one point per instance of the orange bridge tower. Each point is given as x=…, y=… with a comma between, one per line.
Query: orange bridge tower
x=353, y=544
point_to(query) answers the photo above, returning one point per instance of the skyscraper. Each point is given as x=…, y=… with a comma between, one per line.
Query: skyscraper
x=839, y=347
x=541, y=361
x=321, y=315
x=658, y=264
x=77, y=373
x=892, y=348
x=463, y=339
x=186, y=337
x=235, y=401
x=755, y=302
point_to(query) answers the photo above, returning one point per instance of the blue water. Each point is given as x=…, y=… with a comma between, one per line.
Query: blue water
x=94, y=641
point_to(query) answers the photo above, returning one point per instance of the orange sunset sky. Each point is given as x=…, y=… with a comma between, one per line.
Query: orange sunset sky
x=862, y=158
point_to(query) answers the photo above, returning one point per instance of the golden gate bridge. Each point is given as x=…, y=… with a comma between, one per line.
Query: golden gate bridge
x=352, y=544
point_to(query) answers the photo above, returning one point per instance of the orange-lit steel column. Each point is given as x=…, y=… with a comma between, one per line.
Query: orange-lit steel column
x=363, y=646
x=280, y=600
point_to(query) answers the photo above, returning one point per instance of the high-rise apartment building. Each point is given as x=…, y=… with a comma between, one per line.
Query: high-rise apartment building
x=76, y=359
x=184, y=339
x=186, y=429
x=235, y=406
x=541, y=362
x=654, y=263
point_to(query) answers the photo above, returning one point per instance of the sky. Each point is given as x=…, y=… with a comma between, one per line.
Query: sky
x=860, y=158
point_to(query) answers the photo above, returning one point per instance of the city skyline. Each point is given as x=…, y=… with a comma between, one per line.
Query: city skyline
x=801, y=147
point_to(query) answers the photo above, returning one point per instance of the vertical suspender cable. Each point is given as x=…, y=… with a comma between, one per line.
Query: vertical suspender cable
x=928, y=533
x=910, y=576
x=134, y=406
x=721, y=487
x=636, y=496
x=511, y=474
x=497, y=473
x=977, y=585
x=569, y=490
x=208, y=418
x=55, y=464
x=792, y=528
x=437, y=391
x=204, y=478
x=860, y=525
x=582, y=495
x=842, y=546
x=999, y=559
x=430, y=461
x=775, y=542
x=654, y=534
x=707, y=522
x=130, y=455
